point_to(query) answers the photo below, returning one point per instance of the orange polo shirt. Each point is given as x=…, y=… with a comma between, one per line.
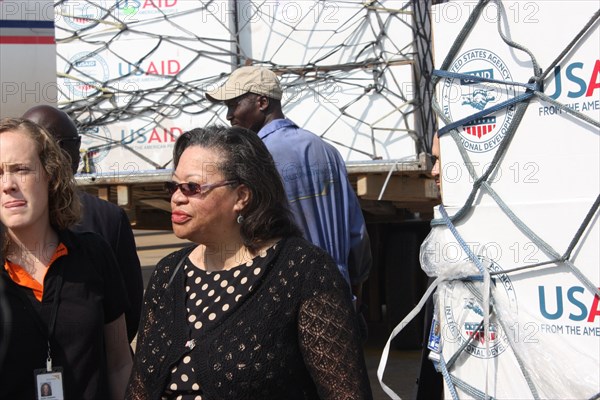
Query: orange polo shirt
x=23, y=278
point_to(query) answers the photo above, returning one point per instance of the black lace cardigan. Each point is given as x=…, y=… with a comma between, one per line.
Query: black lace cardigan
x=294, y=337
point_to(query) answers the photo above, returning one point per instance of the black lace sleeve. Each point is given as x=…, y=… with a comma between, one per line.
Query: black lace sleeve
x=156, y=330
x=328, y=335
x=137, y=389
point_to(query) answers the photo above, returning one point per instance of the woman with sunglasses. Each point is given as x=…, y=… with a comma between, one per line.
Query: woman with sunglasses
x=62, y=317
x=251, y=310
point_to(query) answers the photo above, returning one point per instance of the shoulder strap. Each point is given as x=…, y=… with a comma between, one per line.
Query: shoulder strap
x=184, y=255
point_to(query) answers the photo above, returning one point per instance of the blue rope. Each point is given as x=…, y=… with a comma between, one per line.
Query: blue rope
x=531, y=87
x=460, y=240
x=470, y=390
x=446, y=375
x=483, y=113
x=475, y=78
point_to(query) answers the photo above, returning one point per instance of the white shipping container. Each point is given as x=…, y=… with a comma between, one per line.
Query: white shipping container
x=545, y=315
x=27, y=56
x=545, y=319
x=342, y=80
x=549, y=142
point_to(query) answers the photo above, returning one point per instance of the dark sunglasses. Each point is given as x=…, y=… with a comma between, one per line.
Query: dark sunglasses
x=191, y=188
x=67, y=140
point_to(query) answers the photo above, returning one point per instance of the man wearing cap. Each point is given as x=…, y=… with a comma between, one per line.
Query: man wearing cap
x=313, y=172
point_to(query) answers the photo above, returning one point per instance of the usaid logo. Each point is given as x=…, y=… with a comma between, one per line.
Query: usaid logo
x=79, y=14
x=463, y=314
x=85, y=72
x=464, y=97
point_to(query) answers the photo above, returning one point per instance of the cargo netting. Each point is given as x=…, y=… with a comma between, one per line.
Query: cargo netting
x=476, y=282
x=357, y=73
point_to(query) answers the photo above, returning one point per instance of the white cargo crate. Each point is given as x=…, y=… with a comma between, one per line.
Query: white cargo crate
x=343, y=79
x=544, y=185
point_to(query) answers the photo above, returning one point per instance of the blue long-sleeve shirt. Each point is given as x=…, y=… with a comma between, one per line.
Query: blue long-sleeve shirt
x=321, y=198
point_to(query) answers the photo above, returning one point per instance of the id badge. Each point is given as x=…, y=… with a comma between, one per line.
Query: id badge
x=433, y=343
x=49, y=385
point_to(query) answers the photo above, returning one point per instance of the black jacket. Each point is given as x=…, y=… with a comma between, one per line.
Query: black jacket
x=294, y=337
x=111, y=222
x=92, y=295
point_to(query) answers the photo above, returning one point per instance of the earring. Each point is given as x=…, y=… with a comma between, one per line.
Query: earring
x=240, y=219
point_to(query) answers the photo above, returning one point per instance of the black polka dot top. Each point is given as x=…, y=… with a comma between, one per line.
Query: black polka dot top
x=210, y=297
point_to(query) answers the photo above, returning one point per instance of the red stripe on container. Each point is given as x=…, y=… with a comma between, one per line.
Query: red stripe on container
x=27, y=40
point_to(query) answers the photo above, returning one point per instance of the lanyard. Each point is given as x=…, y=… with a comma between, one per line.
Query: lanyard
x=59, y=281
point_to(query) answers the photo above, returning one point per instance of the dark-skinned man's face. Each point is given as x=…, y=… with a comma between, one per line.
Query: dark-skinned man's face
x=245, y=111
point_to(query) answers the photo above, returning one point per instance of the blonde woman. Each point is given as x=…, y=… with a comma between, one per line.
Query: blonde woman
x=64, y=291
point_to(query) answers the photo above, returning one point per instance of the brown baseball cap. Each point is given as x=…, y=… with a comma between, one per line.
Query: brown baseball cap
x=250, y=79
